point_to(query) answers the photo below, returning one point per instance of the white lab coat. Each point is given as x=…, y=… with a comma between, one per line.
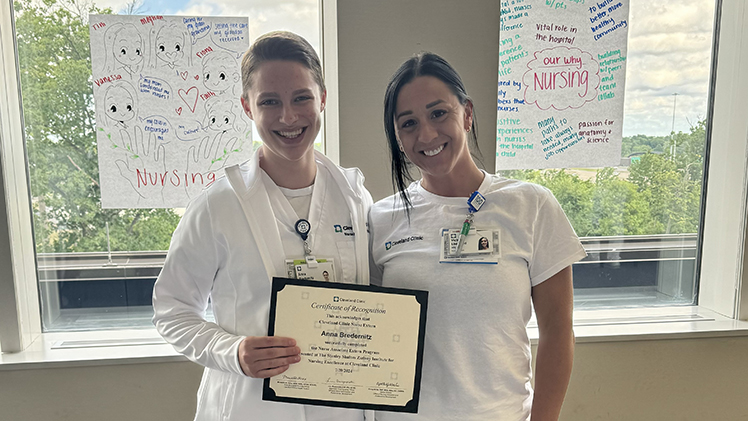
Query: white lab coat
x=228, y=246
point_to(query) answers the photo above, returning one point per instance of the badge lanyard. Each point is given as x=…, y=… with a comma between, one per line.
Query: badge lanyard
x=303, y=228
x=474, y=202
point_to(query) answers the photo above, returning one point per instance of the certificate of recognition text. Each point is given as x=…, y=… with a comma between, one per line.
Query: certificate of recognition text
x=361, y=346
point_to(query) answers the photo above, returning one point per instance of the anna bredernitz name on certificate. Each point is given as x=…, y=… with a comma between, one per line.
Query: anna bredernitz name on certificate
x=361, y=346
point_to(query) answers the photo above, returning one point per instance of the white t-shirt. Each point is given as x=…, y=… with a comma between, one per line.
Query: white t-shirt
x=477, y=352
x=326, y=212
x=300, y=199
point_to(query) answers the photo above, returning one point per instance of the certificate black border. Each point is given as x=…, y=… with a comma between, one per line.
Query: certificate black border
x=268, y=394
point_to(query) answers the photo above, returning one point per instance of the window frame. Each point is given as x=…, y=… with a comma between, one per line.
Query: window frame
x=20, y=321
x=723, y=286
x=329, y=49
x=722, y=280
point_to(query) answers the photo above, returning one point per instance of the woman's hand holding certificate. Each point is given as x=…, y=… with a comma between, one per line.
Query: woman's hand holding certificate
x=360, y=346
x=267, y=356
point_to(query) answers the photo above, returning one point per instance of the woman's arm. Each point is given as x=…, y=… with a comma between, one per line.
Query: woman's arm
x=554, y=302
x=180, y=295
x=180, y=298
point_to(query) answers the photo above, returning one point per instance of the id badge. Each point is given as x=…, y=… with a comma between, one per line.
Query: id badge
x=479, y=246
x=323, y=270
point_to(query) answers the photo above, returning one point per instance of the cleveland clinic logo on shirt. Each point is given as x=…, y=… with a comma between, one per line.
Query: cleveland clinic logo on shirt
x=388, y=245
x=344, y=229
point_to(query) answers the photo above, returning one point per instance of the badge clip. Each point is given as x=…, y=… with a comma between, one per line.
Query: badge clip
x=311, y=261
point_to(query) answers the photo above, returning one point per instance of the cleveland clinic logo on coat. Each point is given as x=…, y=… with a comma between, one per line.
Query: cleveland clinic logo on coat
x=388, y=245
x=344, y=229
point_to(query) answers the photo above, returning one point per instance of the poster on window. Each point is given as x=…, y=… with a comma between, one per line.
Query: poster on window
x=168, y=114
x=562, y=70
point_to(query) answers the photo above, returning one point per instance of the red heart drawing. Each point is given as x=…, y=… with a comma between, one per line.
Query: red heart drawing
x=179, y=110
x=184, y=75
x=197, y=77
x=189, y=97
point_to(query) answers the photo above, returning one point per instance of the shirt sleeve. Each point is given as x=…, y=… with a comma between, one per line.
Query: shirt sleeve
x=182, y=290
x=555, y=245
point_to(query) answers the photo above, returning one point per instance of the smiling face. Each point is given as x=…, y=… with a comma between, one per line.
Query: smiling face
x=170, y=44
x=219, y=73
x=119, y=105
x=431, y=126
x=220, y=117
x=286, y=104
x=128, y=46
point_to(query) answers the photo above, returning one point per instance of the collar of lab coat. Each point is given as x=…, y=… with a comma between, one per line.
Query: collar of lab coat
x=246, y=182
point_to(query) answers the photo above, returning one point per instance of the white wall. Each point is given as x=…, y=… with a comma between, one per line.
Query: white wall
x=375, y=37
x=684, y=380
x=137, y=392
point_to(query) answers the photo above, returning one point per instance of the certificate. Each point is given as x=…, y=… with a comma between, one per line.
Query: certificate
x=361, y=346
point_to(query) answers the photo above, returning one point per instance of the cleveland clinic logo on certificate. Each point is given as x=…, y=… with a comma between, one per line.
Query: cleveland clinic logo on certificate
x=361, y=346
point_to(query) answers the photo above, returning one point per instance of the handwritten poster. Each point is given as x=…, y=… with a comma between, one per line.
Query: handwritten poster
x=562, y=69
x=168, y=114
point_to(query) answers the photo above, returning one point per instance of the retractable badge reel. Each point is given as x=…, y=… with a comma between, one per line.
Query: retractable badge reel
x=310, y=268
x=303, y=227
x=475, y=202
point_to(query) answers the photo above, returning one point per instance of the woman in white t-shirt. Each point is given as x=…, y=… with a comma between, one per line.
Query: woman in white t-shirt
x=239, y=233
x=477, y=353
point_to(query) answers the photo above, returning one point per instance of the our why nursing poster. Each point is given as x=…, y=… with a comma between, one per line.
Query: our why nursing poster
x=562, y=70
x=168, y=115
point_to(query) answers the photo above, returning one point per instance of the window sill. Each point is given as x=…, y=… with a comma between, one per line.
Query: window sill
x=654, y=323
x=95, y=348
x=142, y=346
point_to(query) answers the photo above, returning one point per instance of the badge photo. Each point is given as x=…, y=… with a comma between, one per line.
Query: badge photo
x=478, y=246
x=300, y=269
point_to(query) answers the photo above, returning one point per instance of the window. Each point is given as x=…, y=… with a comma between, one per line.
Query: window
x=639, y=220
x=723, y=229
x=97, y=267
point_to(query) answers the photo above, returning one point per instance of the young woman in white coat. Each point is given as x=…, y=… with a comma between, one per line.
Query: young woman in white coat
x=237, y=235
x=477, y=351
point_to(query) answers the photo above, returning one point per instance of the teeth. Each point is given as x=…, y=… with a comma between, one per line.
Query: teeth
x=434, y=151
x=292, y=134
